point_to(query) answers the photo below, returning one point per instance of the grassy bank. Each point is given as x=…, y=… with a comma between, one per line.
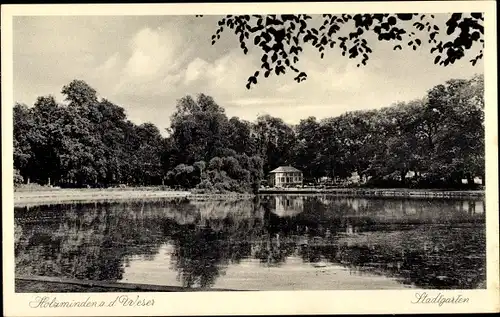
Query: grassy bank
x=91, y=195
x=58, y=196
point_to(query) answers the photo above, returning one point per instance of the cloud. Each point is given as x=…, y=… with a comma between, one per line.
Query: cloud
x=223, y=78
x=151, y=53
x=110, y=64
x=196, y=69
x=231, y=72
x=329, y=89
x=151, y=65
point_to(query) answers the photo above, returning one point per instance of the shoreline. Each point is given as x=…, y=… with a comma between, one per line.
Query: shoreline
x=65, y=196
x=380, y=192
x=61, y=196
x=47, y=284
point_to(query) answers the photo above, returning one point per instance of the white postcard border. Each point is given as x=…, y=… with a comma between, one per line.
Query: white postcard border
x=267, y=302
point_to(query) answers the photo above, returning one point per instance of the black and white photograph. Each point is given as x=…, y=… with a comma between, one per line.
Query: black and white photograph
x=225, y=152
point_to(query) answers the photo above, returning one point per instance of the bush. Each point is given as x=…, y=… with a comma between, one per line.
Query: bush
x=205, y=184
x=224, y=174
x=18, y=178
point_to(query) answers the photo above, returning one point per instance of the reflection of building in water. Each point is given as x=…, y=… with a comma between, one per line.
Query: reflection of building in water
x=350, y=229
x=410, y=209
x=357, y=203
x=288, y=205
x=326, y=200
x=471, y=206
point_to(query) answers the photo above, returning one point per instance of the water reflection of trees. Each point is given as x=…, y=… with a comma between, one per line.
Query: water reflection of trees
x=83, y=241
x=380, y=236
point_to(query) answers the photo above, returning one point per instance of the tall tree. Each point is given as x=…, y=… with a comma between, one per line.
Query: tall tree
x=309, y=147
x=276, y=141
x=241, y=138
x=23, y=130
x=458, y=150
x=200, y=129
x=47, y=138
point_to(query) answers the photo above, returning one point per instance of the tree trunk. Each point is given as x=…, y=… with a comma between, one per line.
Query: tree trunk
x=403, y=177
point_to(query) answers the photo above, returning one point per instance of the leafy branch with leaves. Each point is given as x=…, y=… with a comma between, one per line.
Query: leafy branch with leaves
x=281, y=38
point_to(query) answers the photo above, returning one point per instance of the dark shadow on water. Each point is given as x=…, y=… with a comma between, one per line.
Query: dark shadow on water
x=426, y=243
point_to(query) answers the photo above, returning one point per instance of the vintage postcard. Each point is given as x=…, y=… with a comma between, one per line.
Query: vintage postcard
x=265, y=158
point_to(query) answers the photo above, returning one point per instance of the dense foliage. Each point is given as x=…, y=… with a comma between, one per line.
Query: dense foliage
x=90, y=142
x=84, y=142
x=439, y=137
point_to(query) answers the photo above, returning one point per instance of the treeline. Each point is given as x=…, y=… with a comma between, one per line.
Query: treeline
x=439, y=137
x=86, y=141
x=89, y=142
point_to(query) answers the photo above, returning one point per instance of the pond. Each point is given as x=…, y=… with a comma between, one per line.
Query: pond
x=273, y=242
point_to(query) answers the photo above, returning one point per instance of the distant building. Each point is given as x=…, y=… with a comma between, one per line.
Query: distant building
x=477, y=180
x=410, y=174
x=325, y=179
x=285, y=176
x=355, y=178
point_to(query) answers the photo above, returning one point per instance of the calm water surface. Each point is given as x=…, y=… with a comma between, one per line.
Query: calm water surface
x=274, y=242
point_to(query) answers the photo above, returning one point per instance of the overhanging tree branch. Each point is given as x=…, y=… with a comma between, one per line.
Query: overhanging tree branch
x=281, y=37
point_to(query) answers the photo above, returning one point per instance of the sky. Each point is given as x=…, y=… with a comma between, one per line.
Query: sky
x=146, y=63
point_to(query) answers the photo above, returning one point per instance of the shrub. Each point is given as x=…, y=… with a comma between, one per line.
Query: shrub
x=18, y=178
x=205, y=184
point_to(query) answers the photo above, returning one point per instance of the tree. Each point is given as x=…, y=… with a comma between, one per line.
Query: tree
x=309, y=147
x=401, y=150
x=347, y=143
x=112, y=128
x=199, y=169
x=79, y=93
x=199, y=129
x=148, y=167
x=240, y=136
x=46, y=140
x=276, y=141
x=23, y=129
x=83, y=152
x=18, y=179
x=84, y=142
x=282, y=38
x=458, y=120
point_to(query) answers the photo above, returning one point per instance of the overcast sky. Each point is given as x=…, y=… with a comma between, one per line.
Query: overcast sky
x=146, y=63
